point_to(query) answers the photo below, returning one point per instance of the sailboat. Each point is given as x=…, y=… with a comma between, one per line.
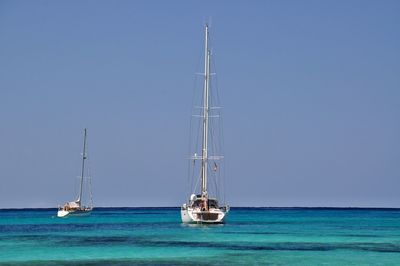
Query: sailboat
x=76, y=208
x=201, y=207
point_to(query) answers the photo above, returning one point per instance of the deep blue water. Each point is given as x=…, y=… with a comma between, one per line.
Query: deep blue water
x=156, y=236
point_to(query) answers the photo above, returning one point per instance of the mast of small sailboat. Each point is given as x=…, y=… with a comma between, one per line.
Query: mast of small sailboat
x=83, y=167
x=205, y=116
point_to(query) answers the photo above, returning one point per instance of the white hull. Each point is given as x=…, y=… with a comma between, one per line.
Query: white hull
x=212, y=216
x=64, y=213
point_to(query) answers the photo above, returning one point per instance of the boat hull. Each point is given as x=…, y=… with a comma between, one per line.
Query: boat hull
x=64, y=213
x=196, y=216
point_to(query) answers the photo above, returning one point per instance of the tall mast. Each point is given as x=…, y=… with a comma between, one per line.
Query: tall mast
x=205, y=116
x=83, y=166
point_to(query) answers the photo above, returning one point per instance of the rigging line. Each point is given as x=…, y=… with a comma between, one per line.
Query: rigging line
x=76, y=180
x=189, y=176
x=197, y=145
x=216, y=185
x=86, y=176
x=194, y=176
x=222, y=148
x=191, y=169
x=221, y=131
x=76, y=187
x=90, y=191
x=89, y=173
x=190, y=133
x=198, y=133
x=194, y=180
x=214, y=137
x=191, y=148
x=216, y=150
x=189, y=152
x=195, y=149
x=223, y=173
x=197, y=184
x=213, y=146
x=214, y=179
x=215, y=124
x=218, y=133
x=216, y=80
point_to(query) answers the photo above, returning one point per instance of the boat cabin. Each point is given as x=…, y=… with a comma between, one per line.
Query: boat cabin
x=200, y=203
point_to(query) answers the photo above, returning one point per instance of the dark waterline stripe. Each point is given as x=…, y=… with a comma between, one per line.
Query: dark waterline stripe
x=140, y=241
x=119, y=262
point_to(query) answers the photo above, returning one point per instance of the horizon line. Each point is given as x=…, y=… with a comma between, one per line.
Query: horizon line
x=234, y=207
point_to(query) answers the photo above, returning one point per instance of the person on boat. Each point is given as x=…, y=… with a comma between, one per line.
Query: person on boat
x=202, y=205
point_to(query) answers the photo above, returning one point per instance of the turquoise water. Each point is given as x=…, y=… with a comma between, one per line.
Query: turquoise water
x=155, y=236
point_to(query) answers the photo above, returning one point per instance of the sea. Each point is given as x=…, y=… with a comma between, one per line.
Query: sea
x=156, y=236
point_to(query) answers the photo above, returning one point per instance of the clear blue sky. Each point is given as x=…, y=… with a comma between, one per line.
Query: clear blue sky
x=310, y=89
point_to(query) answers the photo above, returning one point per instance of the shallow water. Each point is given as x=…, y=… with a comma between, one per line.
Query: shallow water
x=155, y=236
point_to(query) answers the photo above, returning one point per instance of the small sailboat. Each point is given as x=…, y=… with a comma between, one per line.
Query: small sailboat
x=76, y=208
x=201, y=207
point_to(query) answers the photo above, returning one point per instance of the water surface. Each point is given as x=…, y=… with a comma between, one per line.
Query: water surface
x=155, y=236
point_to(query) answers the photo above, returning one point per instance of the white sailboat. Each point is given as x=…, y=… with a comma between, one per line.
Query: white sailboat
x=76, y=208
x=201, y=208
